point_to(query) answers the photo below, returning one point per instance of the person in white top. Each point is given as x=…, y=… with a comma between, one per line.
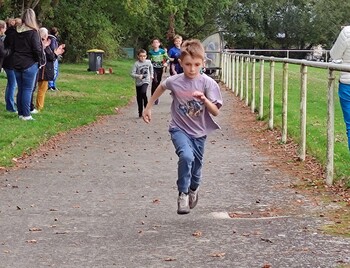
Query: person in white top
x=340, y=53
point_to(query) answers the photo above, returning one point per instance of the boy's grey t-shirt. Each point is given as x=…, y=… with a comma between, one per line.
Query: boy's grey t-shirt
x=187, y=112
x=145, y=69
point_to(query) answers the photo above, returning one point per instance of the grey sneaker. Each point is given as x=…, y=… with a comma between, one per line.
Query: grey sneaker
x=193, y=197
x=182, y=204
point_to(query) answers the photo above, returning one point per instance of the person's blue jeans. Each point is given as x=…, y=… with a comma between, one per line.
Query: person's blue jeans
x=10, y=90
x=190, y=152
x=25, y=81
x=344, y=97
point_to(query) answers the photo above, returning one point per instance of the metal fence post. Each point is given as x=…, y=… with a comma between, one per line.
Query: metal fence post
x=241, y=94
x=247, y=81
x=330, y=129
x=261, y=90
x=233, y=73
x=252, y=104
x=285, y=103
x=272, y=93
x=237, y=75
x=303, y=97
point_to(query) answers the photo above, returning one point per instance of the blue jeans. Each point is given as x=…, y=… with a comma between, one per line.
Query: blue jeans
x=25, y=81
x=344, y=97
x=10, y=90
x=190, y=152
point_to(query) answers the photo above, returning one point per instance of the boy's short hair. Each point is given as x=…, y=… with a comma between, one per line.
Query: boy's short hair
x=193, y=48
x=155, y=38
x=177, y=37
x=141, y=50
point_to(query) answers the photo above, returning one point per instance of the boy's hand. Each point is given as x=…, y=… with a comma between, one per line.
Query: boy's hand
x=60, y=50
x=199, y=95
x=147, y=114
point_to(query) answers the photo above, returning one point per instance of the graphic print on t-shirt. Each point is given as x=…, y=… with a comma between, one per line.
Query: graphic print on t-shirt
x=144, y=71
x=192, y=108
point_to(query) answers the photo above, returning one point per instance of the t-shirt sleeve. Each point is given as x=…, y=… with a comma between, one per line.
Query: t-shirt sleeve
x=212, y=92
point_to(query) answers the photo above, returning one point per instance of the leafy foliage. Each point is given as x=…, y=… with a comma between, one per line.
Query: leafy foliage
x=108, y=25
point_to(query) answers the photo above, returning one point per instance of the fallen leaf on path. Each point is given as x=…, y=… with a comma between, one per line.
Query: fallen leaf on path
x=62, y=232
x=218, y=254
x=266, y=240
x=170, y=259
x=35, y=229
x=197, y=234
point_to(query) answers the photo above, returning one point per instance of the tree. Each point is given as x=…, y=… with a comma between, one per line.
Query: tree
x=85, y=25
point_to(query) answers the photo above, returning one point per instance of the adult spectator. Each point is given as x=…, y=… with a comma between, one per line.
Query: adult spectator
x=27, y=54
x=8, y=65
x=3, y=51
x=340, y=52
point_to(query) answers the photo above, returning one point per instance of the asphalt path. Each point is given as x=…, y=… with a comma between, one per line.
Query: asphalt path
x=105, y=196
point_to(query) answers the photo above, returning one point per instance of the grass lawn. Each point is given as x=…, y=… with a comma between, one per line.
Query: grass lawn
x=83, y=97
x=316, y=113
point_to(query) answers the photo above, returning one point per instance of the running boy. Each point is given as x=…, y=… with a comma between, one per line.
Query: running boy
x=174, y=54
x=159, y=59
x=195, y=98
x=142, y=72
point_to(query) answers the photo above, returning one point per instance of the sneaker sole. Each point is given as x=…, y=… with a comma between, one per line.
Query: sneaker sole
x=183, y=212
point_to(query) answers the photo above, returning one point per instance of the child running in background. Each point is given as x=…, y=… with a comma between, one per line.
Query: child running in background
x=142, y=72
x=195, y=98
x=174, y=54
x=159, y=58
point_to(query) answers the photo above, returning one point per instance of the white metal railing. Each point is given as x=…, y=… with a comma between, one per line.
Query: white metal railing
x=288, y=53
x=235, y=67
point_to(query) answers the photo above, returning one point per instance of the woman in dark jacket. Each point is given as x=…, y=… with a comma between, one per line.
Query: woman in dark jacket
x=3, y=51
x=8, y=65
x=27, y=53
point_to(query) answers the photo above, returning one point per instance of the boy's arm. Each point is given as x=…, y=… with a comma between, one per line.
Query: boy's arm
x=151, y=70
x=147, y=113
x=134, y=72
x=172, y=66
